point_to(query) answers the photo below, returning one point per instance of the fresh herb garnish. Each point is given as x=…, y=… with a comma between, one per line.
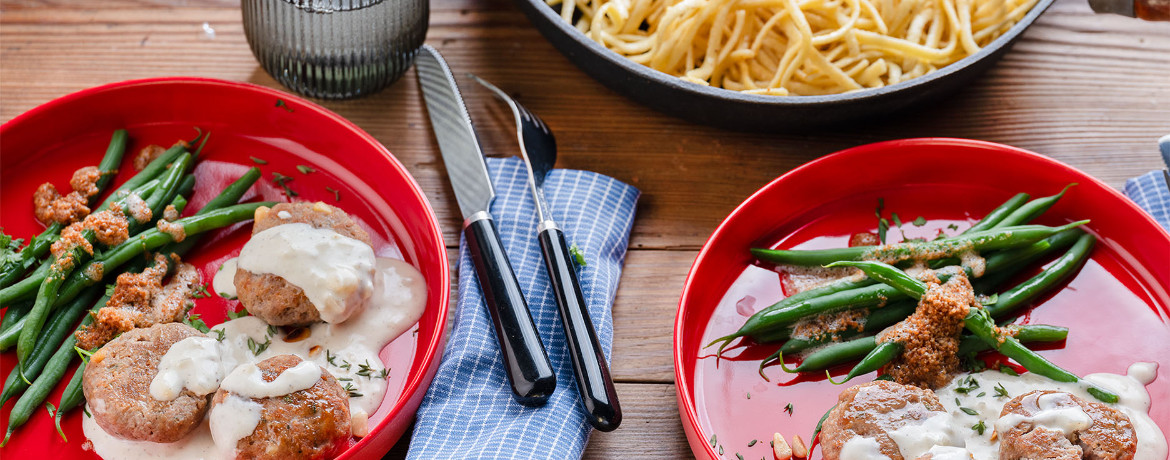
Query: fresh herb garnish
x=968, y=411
x=352, y=390
x=258, y=161
x=721, y=449
x=282, y=181
x=752, y=443
x=1004, y=368
x=365, y=370
x=237, y=314
x=897, y=220
x=272, y=330
x=336, y=194
x=981, y=394
x=739, y=456
x=280, y=103
x=748, y=396
x=966, y=385
x=788, y=408
x=258, y=347
x=51, y=408
x=384, y=374
x=194, y=321
x=578, y=256
x=305, y=169
x=219, y=335
x=1000, y=391
x=979, y=427
x=712, y=441
x=883, y=227
x=226, y=296
x=83, y=353
x=329, y=358
x=345, y=379
x=953, y=227
x=920, y=221
x=200, y=291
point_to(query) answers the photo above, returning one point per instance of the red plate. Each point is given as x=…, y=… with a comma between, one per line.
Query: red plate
x=1117, y=307
x=49, y=142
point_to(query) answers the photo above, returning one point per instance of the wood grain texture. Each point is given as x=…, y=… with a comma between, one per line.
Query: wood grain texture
x=1085, y=89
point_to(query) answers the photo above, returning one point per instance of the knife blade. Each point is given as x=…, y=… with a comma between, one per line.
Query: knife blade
x=525, y=359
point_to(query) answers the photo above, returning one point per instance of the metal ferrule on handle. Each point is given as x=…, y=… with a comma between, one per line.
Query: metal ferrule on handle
x=594, y=383
x=525, y=359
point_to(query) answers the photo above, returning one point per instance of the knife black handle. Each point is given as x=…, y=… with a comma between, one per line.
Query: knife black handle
x=525, y=359
x=598, y=395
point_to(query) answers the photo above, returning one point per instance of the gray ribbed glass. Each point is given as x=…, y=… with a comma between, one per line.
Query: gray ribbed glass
x=335, y=49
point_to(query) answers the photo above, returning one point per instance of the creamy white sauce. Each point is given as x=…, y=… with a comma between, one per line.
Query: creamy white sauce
x=232, y=420
x=336, y=272
x=915, y=439
x=948, y=453
x=248, y=380
x=862, y=448
x=224, y=282
x=397, y=302
x=1054, y=411
x=1134, y=401
x=192, y=363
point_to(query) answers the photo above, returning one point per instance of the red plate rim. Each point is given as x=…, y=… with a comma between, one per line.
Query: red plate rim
x=688, y=412
x=432, y=350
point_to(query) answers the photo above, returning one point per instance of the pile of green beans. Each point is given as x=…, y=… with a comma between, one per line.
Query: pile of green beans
x=889, y=295
x=44, y=307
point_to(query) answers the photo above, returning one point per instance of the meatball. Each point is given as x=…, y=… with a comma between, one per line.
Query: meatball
x=874, y=409
x=306, y=424
x=1100, y=432
x=117, y=385
x=271, y=298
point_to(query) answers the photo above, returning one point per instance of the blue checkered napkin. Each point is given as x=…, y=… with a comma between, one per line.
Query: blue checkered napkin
x=468, y=412
x=1149, y=191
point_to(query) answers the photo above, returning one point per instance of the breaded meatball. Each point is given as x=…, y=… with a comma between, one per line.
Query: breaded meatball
x=872, y=410
x=307, y=424
x=117, y=386
x=1108, y=436
x=270, y=297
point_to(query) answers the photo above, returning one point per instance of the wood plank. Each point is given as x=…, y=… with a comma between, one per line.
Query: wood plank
x=1099, y=112
x=650, y=427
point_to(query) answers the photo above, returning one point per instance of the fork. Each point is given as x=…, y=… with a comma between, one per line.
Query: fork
x=538, y=147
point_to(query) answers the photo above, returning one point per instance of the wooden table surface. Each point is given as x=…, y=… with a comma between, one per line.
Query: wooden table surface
x=1092, y=91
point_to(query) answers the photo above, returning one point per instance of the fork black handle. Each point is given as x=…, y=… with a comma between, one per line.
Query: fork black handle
x=598, y=395
x=525, y=359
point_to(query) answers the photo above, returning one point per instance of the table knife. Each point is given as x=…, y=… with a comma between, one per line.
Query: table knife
x=1150, y=10
x=525, y=359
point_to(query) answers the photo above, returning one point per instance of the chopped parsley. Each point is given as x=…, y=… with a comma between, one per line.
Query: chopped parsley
x=336, y=194
x=258, y=161
x=194, y=321
x=979, y=427
x=200, y=291
x=578, y=256
x=237, y=314
x=258, y=347
x=282, y=181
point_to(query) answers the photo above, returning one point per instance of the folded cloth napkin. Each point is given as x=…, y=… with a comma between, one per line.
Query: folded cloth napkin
x=468, y=412
x=1149, y=191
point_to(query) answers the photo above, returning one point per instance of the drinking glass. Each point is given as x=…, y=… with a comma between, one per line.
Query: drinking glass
x=335, y=49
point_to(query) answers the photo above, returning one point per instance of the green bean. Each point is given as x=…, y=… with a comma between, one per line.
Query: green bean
x=979, y=322
x=822, y=421
x=969, y=344
x=154, y=238
x=27, y=287
x=149, y=173
x=32, y=398
x=875, y=321
x=112, y=160
x=61, y=324
x=993, y=218
x=14, y=313
x=998, y=238
x=879, y=356
x=886, y=274
x=1034, y=208
x=227, y=197
x=1048, y=279
x=72, y=397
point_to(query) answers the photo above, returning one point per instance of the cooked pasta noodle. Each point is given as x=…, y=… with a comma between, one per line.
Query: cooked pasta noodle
x=794, y=47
